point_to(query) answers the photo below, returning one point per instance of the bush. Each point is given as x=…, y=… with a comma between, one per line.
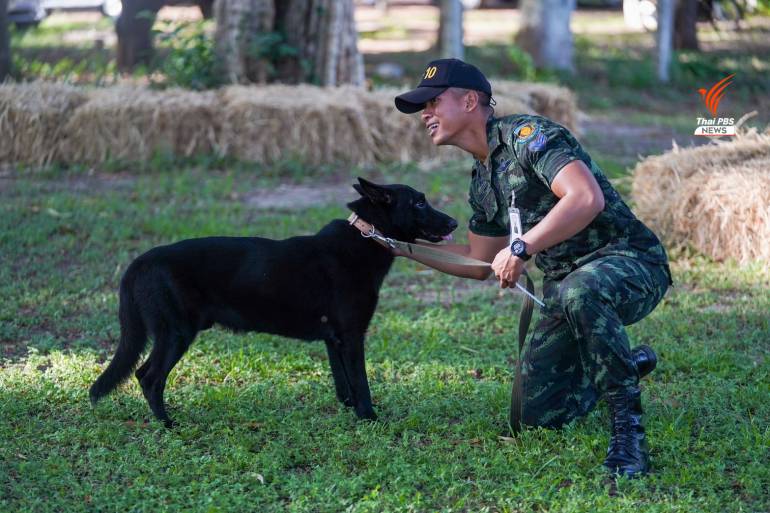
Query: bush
x=522, y=62
x=190, y=57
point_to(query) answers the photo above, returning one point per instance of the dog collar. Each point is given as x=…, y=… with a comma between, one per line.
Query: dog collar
x=370, y=232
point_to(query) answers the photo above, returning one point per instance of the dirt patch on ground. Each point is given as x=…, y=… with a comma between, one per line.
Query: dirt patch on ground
x=296, y=197
x=627, y=142
x=79, y=183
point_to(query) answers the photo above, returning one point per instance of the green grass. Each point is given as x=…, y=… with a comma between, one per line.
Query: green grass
x=54, y=30
x=259, y=427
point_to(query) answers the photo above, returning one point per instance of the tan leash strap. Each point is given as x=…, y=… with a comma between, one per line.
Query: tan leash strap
x=425, y=248
x=428, y=250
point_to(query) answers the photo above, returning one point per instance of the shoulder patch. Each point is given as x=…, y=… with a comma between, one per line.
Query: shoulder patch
x=526, y=132
x=538, y=143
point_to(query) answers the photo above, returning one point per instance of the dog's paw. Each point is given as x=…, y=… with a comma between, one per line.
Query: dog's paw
x=369, y=415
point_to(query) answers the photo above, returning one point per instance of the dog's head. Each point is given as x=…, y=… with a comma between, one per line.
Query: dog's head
x=400, y=212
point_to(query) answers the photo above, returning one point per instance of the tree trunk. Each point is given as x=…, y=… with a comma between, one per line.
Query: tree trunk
x=664, y=39
x=5, y=42
x=207, y=8
x=133, y=28
x=545, y=32
x=685, y=29
x=451, y=30
x=289, y=41
x=237, y=22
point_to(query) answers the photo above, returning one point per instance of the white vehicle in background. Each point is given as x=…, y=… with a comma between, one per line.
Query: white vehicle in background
x=643, y=14
x=111, y=8
x=25, y=13
x=29, y=13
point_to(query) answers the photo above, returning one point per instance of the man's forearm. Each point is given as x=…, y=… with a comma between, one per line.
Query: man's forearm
x=462, y=271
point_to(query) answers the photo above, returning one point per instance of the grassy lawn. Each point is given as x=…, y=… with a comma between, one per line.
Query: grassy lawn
x=259, y=427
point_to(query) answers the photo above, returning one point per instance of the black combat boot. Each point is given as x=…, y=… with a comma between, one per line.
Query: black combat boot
x=645, y=359
x=627, y=454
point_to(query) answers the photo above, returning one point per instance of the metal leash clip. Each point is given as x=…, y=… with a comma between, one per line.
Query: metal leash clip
x=372, y=234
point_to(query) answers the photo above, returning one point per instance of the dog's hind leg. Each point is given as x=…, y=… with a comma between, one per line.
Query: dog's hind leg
x=141, y=371
x=354, y=367
x=169, y=348
x=341, y=384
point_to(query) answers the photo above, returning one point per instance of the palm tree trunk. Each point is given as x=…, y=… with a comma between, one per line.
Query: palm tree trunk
x=133, y=28
x=685, y=28
x=545, y=32
x=290, y=41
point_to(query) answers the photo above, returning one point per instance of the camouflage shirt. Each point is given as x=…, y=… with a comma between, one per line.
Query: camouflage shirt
x=525, y=155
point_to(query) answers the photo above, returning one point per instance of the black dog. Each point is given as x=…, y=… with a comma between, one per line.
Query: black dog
x=324, y=286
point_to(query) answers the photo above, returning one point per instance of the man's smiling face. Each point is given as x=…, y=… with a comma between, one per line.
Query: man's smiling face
x=444, y=117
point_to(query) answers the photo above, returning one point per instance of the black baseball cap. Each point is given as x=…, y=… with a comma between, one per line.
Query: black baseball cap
x=440, y=75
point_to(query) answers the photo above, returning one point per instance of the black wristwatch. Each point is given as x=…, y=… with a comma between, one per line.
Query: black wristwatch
x=519, y=249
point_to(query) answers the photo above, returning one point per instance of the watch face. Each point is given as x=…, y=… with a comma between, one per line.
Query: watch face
x=518, y=247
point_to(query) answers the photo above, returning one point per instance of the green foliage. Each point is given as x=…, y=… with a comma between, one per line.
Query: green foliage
x=271, y=49
x=91, y=66
x=186, y=55
x=522, y=63
x=96, y=70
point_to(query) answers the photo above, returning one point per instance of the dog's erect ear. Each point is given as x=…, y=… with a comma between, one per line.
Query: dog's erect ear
x=375, y=193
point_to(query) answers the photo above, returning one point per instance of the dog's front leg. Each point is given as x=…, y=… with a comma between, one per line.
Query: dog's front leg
x=333, y=349
x=354, y=367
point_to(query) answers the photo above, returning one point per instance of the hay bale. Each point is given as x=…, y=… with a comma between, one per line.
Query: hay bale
x=710, y=197
x=398, y=136
x=403, y=137
x=347, y=124
x=314, y=124
x=32, y=119
x=133, y=123
x=552, y=101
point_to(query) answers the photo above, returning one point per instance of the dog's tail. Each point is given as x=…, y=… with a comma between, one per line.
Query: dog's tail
x=133, y=338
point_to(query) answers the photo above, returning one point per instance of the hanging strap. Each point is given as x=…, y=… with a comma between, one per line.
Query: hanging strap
x=525, y=318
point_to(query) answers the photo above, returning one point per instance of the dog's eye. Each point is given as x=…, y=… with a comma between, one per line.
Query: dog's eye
x=420, y=204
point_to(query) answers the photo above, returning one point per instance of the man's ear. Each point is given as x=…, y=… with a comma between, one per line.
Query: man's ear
x=471, y=100
x=375, y=193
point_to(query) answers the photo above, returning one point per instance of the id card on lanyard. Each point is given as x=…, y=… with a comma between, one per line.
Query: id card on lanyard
x=514, y=219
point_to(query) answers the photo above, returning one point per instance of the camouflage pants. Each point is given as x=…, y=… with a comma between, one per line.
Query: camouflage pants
x=579, y=347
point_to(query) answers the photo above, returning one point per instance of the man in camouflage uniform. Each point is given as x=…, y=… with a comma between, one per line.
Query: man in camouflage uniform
x=603, y=268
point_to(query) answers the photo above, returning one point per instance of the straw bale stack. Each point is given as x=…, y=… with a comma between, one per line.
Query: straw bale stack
x=134, y=123
x=32, y=117
x=254, y=123
x=710, y=197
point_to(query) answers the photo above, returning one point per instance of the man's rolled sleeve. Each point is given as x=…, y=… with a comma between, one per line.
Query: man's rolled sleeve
x=479, y=225
x=548, y=153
